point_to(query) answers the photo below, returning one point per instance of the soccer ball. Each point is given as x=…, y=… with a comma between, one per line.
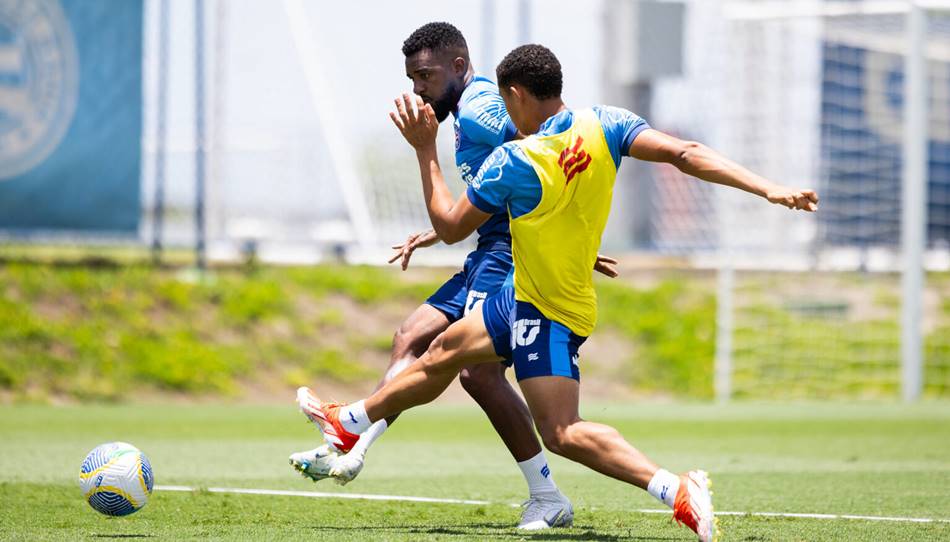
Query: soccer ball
x=116, y=479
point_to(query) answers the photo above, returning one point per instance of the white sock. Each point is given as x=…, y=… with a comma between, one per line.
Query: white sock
x=354, y=418
x=369, y=437
x=376, y=430
x=538, y=474
x=664, y=486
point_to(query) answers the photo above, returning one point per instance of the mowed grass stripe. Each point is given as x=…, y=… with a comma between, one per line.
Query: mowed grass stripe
x=319, y=495
x=412, y=498
x=876, y=460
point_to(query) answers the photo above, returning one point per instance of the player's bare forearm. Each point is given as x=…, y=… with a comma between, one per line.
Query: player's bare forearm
x=438, y=199
x=452, y=221
x=704, y=163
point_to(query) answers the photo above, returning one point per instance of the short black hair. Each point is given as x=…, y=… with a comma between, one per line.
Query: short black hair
x=435, y=37
x=534, y=67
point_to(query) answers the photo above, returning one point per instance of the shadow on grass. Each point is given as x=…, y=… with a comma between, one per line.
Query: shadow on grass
x=498, y=531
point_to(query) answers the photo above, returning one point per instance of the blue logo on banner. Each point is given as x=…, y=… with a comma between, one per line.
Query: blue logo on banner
x=39, y=82
x=70, y=115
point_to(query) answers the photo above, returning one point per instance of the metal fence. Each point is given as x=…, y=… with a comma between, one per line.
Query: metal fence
x=264, y=127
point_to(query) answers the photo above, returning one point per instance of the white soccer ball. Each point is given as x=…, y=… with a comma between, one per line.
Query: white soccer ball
x=116, y=479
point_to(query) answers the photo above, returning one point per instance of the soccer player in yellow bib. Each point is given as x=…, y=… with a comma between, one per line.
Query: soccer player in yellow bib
x=556, y=186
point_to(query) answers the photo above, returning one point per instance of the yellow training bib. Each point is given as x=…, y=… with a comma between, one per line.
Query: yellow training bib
x=555, y=245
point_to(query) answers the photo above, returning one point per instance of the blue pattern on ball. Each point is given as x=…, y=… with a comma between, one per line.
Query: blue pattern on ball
x=106, y=482
x=98, y=457
x=147, y=473
x=111, y=504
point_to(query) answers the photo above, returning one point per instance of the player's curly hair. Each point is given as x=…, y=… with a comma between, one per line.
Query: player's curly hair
x=534, y=67
x=435, y=37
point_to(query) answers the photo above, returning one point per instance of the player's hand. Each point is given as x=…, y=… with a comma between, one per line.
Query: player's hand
x=606, y=265
x=404, y=251
x=794, y=198
x=416, y=121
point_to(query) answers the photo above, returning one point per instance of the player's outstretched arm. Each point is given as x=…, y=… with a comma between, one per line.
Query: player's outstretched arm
x=452, y=220
x=704, y=163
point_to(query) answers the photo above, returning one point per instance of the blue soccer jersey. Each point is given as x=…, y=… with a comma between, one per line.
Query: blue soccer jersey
x=482, y=124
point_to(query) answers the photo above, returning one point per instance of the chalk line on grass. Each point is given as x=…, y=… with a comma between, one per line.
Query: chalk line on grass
x=409, y=498
x=320, y=495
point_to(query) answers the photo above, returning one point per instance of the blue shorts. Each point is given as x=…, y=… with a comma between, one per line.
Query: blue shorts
x=484, y=274
x=535, y=345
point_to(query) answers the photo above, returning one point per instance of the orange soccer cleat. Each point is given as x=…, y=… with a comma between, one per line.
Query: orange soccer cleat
x=327, y=418
x=693, y=505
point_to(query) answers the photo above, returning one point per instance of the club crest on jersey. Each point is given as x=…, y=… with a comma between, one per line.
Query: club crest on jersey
x=574, y=159
x=524, y=332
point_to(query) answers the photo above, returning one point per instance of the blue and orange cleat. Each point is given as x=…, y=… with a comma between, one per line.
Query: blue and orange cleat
x=326, y=416
x=693, y=505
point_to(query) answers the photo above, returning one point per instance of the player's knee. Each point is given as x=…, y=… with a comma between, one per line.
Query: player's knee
x=555, y=438
x=481, y=379
x=437, y=346
x=555, y=442
x=563, y=437
x=400, y=338
x=407, y=340
x=438, y=357
x=471, y=383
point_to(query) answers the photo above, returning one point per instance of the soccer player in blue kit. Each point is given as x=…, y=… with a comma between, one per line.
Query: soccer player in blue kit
x=556, y=186
x=438, y=63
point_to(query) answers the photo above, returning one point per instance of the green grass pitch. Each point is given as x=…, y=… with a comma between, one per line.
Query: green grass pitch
x=863, y=459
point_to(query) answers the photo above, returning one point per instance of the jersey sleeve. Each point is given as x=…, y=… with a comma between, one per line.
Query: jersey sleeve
x=506, y=182
x=487, y=191
x=621, y=127
x=485, y=120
